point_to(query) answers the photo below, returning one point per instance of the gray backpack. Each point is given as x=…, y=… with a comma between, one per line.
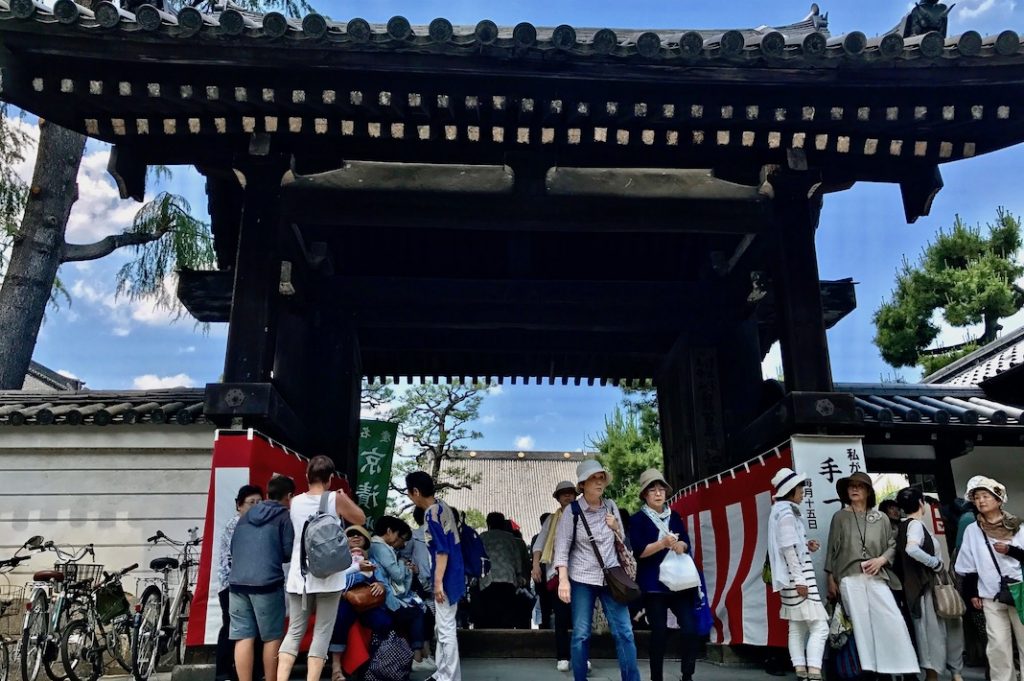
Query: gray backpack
x=324, y=549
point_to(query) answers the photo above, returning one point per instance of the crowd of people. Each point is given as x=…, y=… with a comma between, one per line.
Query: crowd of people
x=396, y=589
x=892, y=580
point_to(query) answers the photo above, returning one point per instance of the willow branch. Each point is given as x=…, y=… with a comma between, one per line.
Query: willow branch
x=106, y=246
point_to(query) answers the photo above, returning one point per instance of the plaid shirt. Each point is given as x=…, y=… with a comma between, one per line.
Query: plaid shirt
x=224, y=552
x=578, y=556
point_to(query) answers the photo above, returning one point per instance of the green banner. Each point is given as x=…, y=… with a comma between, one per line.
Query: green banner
x=376, y=449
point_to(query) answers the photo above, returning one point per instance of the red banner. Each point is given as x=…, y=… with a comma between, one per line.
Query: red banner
x=727, y=519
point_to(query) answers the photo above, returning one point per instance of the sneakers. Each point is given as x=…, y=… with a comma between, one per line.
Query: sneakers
x=562, y=666
x=424, y=666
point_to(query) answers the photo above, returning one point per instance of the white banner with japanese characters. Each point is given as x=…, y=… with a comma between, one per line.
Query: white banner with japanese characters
x=824, y=459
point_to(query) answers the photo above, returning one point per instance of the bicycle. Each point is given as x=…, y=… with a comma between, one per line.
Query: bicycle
x=162, y=623
x=8, y=596
x=44, y=623
x=84, y=641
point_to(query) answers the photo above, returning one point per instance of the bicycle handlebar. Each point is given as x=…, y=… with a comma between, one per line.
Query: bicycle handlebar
x=14, y=561
x=156, y=537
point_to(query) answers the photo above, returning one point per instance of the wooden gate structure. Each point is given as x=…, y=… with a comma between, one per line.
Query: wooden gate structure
x=519, y=203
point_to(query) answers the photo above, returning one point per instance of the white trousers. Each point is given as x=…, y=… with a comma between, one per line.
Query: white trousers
x=807, y=642
x=883, y=642
x=1002, y=626
x=447, y=653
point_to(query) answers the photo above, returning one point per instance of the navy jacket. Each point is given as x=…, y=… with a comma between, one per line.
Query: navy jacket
x=643, y=531
x=262, y=543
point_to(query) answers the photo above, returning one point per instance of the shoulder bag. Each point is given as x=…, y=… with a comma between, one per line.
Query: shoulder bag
x=948, y=603
x=1011, y=591
x=626, y=558
x=623, y=587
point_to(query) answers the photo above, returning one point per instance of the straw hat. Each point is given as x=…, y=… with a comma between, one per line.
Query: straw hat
x=651, y=476
x=562, y=487
x=589, y=468
x=993, y=487
x=785, y=481
x=358, y=529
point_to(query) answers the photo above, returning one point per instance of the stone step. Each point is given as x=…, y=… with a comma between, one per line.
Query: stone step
x=540, y=643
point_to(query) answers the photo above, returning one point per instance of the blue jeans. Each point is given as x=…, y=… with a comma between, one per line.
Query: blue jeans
x=582, y=598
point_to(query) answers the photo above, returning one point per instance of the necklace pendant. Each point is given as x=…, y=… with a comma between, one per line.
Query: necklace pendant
x=864, y=552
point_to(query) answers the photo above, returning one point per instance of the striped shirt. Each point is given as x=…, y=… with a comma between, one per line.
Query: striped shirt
x=578, y=556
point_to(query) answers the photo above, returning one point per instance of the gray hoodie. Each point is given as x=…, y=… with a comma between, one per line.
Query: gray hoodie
x=262, y=543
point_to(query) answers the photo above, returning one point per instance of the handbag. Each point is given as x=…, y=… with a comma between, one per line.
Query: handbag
x=627, y=561
x=1005, y=595
x=677, y=571
x=848, y=660
x=948, y=603
x=552, y=584
x=361, y=597
x=705, y=621
x=623, y=587
x=840, y=629
x=766, y=570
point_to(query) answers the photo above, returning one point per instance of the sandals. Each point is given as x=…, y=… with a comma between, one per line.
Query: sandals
x=338, y=675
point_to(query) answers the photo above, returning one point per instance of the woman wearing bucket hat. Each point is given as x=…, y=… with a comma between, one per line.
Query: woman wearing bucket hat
x=655, y=531
x=991, y=553
x=581, y=578
x=861, y=547
x=789, y=554
x=544, y=554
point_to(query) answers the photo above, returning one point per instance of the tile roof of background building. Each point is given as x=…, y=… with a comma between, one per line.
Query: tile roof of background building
x=182, y=406
x=986, y=362
x=516, y=483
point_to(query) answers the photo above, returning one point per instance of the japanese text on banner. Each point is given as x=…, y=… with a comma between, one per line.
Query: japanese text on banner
x=376, y=449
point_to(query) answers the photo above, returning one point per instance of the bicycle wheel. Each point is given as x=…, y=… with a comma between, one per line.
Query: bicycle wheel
x=119, y=639
x=146, y=646
x=181, y=629
x=81, y=657
x=33, y=638
x=5, y=661
x=52, y=664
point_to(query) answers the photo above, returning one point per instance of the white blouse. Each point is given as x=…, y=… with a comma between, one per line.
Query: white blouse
x=975, y=557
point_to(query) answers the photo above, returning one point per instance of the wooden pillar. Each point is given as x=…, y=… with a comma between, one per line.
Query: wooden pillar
x=251, y=333
x=675, y=418
x=335, y=386
x=805, y=360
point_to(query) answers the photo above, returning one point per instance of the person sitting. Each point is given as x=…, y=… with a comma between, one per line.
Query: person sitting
x=404, y=606
x=374, y=619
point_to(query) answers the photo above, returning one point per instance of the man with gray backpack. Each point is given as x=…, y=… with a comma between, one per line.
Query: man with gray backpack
x=319, y=566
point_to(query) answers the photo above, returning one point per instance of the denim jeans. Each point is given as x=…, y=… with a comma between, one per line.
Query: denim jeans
x=582, y=598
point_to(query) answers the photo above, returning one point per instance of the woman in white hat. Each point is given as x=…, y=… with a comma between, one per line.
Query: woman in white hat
x=546, y=577
x=655, y=531
x=789, y=554
x=991, y=552
x=581, y=579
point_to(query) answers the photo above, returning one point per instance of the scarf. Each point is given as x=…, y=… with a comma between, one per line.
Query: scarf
x=1003, y=529
x=655, y=516
x=548, y=553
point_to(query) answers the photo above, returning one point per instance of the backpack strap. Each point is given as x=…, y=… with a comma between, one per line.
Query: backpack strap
x=575, y=522
x=325, y=499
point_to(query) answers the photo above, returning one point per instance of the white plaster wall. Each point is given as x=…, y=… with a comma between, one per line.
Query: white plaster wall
x=110, y=486
x=1005, y=464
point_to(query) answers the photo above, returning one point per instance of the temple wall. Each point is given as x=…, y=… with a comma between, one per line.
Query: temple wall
x=112, y=487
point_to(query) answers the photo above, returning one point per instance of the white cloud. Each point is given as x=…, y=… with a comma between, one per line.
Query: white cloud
x=495, y=390
x=524, y=442
x=152, y=381
x=67, y=374
x=122, y=313
x=771, y=366
x=968, y=10
x=488, y=418
x=187, y=350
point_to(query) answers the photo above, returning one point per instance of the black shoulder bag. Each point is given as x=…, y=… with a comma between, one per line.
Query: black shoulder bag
x=624, y=590
x=1005, y=596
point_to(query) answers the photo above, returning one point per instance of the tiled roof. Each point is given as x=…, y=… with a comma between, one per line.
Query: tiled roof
x=997, y=357
x=519, y=487
x=943, y=405
x=781, y=46
x=52, y=379
x=182, y=406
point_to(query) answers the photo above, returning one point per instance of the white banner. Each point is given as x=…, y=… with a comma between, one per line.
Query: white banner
x=824, y=459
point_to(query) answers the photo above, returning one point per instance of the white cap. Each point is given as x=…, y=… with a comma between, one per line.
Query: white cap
x=785, y=480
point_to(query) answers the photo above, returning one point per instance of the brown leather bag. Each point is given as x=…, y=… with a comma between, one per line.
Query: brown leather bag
x=361, y=598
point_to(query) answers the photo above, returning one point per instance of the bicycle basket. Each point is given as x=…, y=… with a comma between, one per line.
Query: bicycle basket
x=15, y=597
x=111, y=602
x=84, y=574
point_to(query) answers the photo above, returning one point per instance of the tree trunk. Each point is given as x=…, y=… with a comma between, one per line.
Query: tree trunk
x=992, y=329
x=37, y=250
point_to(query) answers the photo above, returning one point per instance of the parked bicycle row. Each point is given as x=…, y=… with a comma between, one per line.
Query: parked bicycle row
x=77, y=614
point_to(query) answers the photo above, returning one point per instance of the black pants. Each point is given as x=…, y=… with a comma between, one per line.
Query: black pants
x=225, y=661
x=547, y=603
x=682, y=604
x=498, y=607
x=563, y=625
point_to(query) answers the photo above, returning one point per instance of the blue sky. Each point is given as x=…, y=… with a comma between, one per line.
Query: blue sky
x=113, y=343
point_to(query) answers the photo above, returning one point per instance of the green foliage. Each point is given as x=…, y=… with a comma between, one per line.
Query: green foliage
x=433, y=420
x=181, y=242
x=13, y=190
x=932, y=363
x=970, y=276
x=475, y=519
x=627, y=448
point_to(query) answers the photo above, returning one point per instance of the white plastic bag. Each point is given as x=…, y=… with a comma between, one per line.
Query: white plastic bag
x=678, y=572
